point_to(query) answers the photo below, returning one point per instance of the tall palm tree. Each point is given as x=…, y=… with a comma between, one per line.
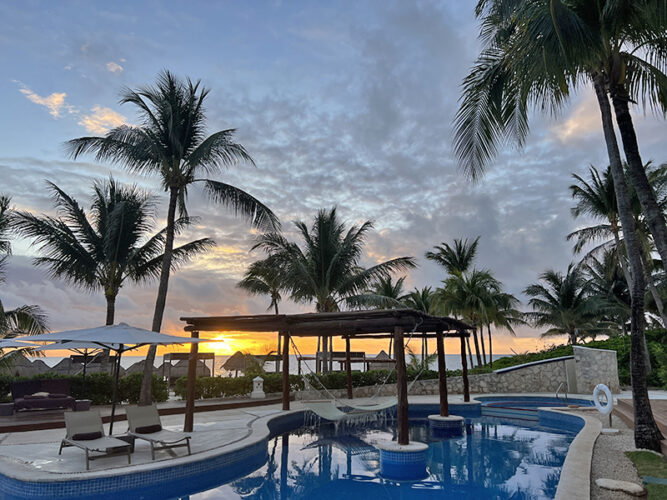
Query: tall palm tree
x=607, y=282
x=564, y=303
x=107, y=247
x=502, y=313
x=22, y=320
x=326, y=269
x=171, y=143
x=424, y=300
x=597, y=198
x=468, y=295
x=535, y=51
x=263, y=278
x=455, y=259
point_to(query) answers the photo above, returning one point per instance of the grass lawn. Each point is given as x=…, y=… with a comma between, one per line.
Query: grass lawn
x=650, y=464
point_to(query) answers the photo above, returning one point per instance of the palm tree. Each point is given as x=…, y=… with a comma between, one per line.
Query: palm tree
x=326, y=269
x=22, y=320
x=456, y=259
x=107, y=247
x=468, y=295
x=564, y=303
x=607, y=282
x=263, y=278
x=502, y=313
x=384, y=293
x=534, y=52
x=424, y=300
x=171, y=144
x=597, y=198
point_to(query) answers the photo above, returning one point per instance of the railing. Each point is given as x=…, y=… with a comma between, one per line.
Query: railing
x=559, y=388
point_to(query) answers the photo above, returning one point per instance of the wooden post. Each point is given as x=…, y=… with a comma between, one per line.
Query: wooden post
x=286, y=394
x=464, y=369
x=442, y=375
x=191, y=385
x=348, y=367
x=401, y=386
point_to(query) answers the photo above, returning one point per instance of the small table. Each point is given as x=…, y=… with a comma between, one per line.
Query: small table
x=121, y=449
x=6, y=409
x=82, y=405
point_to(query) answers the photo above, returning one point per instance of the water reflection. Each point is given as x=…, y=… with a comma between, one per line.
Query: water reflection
x=492, y=459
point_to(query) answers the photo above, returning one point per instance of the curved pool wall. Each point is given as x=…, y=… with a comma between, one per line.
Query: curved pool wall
x=210, y=468
x=524, y=407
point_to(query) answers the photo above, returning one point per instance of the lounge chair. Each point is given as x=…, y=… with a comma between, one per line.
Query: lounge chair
x=85, y=431
x=144, y=423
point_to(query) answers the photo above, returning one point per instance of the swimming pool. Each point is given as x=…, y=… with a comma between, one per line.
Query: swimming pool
x=284, y=458
x=492, y=459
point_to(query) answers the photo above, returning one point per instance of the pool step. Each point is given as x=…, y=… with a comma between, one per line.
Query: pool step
x=626, y=413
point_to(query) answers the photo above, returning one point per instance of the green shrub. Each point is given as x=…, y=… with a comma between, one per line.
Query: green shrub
x=129, y=388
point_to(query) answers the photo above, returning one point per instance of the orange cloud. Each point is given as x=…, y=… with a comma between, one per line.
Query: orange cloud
x=54, y=102
x=101, y=120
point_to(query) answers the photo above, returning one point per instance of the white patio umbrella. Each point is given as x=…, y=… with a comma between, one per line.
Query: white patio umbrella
x=119, y=338
x=14, y=344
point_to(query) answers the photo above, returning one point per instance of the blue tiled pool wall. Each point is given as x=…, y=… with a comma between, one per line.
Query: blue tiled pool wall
x=179, y=480
x=167, y=482
x=565, y=421
x=535, y=399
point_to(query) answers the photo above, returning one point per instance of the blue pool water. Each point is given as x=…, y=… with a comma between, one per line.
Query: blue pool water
x=493, y=459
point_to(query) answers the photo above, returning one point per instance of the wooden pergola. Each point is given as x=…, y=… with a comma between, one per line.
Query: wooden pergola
x=379, y=324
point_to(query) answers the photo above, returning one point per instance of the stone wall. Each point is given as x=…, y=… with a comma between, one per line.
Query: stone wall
x=592, y=367
x=595, y=366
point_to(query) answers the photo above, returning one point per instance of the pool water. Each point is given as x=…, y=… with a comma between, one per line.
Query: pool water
x=493, y=459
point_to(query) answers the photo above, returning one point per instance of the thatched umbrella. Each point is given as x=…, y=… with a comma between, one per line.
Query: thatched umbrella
x=239, y=362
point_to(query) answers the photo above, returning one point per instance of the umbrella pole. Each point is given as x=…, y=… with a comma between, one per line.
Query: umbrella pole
x=85, y=363
x=115, y=389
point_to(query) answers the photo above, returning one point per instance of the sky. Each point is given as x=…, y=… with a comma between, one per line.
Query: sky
x=346, y=104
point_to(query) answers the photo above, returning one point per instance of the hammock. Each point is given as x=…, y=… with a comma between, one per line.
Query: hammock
x=327, y=410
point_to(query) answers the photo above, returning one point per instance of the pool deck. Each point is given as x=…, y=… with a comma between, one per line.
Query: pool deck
x=34, y=454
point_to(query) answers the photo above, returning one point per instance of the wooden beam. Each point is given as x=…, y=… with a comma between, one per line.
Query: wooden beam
x=464, y=369
x=401, y=386
x=442, y=376
x=191, y=385
x=286, y=394
x=348, y=368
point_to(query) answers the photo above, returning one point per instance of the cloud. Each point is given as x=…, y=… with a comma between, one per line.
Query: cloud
x=54, y=102
x=101, y=120
x=582, y=121
x=114, y=67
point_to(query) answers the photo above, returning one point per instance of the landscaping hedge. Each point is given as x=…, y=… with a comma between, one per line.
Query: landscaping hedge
x=218, y=387
x=98, y=387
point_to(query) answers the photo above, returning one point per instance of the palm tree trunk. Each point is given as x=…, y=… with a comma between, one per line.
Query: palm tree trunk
x=472, y=364
x=477, y=354
x=111, y=309
x=145, y=397
x=654, y=216
x=654, y=291
x=111, y=314
x=318, y=361
x=481, y=341
x=647, y=434
x=620, y=252
x=488, y=328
